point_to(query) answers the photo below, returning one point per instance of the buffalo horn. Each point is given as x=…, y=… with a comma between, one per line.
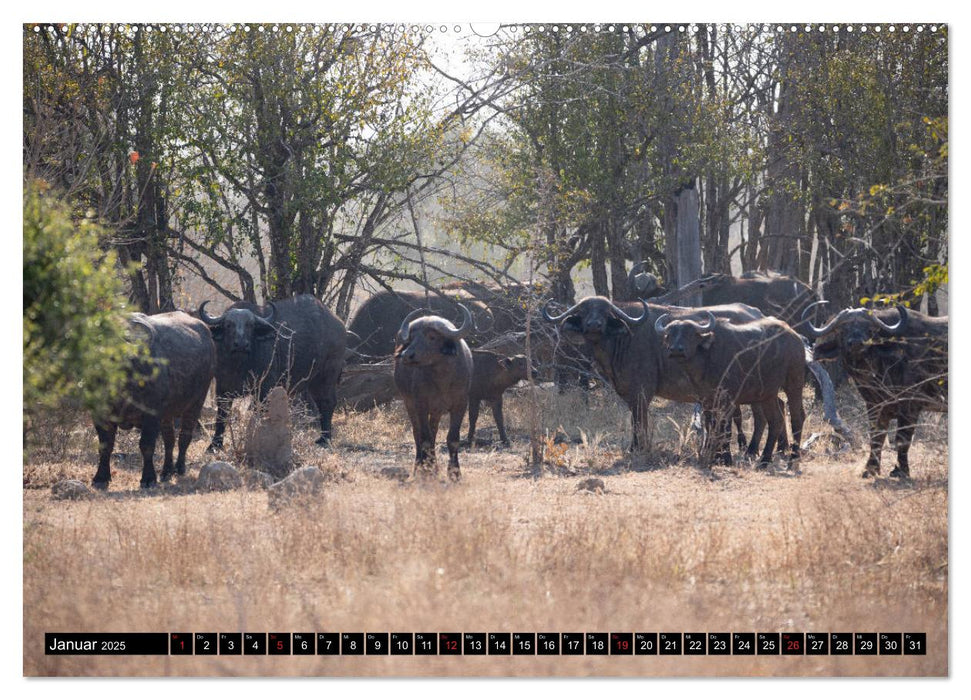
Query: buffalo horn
x=557, y=319
x=661, y=322
x=806, y=311
x=817, y=332
x=467, y=324
x=405, y=325
x=898, y=326
x=209, y=320
x=269, y=319
x=630, y=319
x=711, y=322
x=142, y=320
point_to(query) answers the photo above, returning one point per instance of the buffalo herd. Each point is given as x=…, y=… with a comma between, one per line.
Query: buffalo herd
x=753, y=338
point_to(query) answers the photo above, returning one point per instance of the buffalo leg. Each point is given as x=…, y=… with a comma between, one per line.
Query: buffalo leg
x=774, y=419
x=168, y=446
x=223, y=406
x=473, y=418
x=455, y=417
x=190, y=419
x=879, y=418
x=428, y=440
x=797, y=416
x=740, y=434
x=415, y=418
x=106, y=445
x=497, y=416
x=324, y=394
x=782, y=446
x=758, y=428
x=146, y=445
x=903, y=436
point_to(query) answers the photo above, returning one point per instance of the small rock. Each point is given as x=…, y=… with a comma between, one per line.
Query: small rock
x=256, y=480
x=70, y=490
x=218, y=476
x=300, y=485
x=592, y=485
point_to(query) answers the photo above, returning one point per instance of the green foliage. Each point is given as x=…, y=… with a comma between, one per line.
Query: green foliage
x=75, y=345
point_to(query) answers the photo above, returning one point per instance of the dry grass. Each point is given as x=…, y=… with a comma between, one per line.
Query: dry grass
x=666, y=548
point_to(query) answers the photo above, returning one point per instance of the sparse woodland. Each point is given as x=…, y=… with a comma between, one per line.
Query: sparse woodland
x=167, y=165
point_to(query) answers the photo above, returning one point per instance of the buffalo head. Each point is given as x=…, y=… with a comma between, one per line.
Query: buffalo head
x=516, y=367
x=641, y=284
x=422, y=338
x=852, y=330
x=237, y=329
x=683, y=337
x=594, y=317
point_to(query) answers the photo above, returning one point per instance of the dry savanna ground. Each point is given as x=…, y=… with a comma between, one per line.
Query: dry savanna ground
x=667, y=547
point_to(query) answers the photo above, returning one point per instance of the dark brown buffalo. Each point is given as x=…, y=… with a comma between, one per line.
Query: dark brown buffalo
x=730, y=364
x=295, y=343
x=629, y=351
x=172, y=382
x=642, y=284
x=377, y=320
x=433, y=373
x=492, y=374
x=773, y=294
x=553, y=357
x=898, y=360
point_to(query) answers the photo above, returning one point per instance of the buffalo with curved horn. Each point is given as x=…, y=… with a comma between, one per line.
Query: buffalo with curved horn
x=433, y=374
x=730, y=364
x=297, y=344
x=898, y=361
x=629, y=351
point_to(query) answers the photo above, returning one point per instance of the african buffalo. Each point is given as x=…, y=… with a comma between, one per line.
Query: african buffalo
x=378, y=318
x=730, y=364
x=898, y=360
x=492, y=374
x=629, y=351
x=641, y=284
x=297, y=343
x=782, y=296
x=171, y=382
x=433, y=373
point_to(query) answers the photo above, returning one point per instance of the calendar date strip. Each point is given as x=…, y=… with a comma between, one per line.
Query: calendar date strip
x=485, y=643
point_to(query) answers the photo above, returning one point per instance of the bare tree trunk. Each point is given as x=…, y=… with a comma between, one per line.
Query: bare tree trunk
x=689, y=239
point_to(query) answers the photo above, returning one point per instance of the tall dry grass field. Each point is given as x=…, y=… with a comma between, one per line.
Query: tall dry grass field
x=667, y=547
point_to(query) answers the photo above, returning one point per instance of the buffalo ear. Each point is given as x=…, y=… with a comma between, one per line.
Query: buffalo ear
x=449, y=348
x=615, y=327
x=706, y=339
x=264, y=331
x=574, y=324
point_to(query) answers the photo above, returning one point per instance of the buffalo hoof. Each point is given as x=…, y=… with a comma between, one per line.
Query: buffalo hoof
x=454, y=475
x=505, y=443
x=900, y=474
x=868, y=473
x=323, y=441
x=166, y=476
x=149, y=484
x=100, y=485
x=214, y=447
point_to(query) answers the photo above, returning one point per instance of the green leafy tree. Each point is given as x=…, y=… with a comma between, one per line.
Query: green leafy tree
x=75, y=345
